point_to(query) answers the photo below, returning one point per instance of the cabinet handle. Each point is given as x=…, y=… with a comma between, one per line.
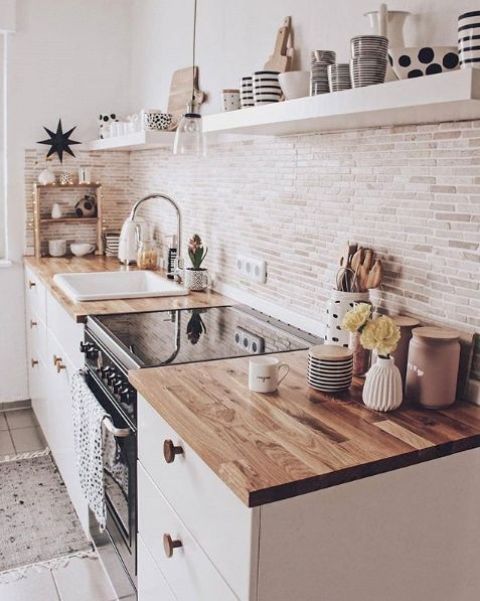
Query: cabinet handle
x=33, y=362
x=31, y=284
x=170, y=545
x=170, y=451
x=33, y=324
x=57, y=362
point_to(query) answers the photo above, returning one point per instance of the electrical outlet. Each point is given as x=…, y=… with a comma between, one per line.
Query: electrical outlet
x=251, y=268
x=248, y=341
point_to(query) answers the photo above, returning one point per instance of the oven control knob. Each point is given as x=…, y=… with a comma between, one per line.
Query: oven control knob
x=111, y=376
x=117, y=385
x=105, y=371
x=125, y=395
x=85, y=347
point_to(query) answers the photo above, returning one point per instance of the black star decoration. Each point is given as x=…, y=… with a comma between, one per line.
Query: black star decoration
x=59, y=141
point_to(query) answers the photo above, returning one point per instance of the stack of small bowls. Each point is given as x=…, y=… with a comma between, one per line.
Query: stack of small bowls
x=246, y=92
x=368, y=65
x=321, y=59
x=266, y=87
x=469, y=39
x=330, y=368
x=111, y=244
x=339, y=77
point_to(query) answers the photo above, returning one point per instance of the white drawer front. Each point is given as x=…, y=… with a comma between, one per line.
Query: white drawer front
x=152, y=586
x=65, y=328
x=226, y=529
x=188, y=572
x=35, y=295
x=36, y=336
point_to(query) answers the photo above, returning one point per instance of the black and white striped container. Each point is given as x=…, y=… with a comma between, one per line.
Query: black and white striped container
x=246, y=92
x=469, y=39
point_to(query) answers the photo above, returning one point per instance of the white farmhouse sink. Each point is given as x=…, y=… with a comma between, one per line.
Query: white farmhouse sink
x=110, y=285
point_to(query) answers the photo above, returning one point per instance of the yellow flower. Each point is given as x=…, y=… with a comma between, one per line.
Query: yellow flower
x=380, y=334
x=357, y=317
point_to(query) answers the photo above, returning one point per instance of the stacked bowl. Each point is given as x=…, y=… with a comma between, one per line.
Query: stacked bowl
x=246, y=92
x=469, y=39
x=339, y=77
x=111, y=244
x=266, y=87
x=321, y=59
x=368, y=65
x=329, y=368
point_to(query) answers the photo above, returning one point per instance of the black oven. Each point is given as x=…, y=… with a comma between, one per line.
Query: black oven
x=117, y=544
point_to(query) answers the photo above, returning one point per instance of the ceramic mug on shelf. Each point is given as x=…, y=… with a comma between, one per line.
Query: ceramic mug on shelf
x=264, y=373
x=57, y=248
x=156, y=120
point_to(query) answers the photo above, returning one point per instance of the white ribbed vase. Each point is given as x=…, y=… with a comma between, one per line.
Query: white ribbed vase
x=382, y=390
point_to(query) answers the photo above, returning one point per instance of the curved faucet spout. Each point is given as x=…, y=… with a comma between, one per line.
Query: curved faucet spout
x=174, y=205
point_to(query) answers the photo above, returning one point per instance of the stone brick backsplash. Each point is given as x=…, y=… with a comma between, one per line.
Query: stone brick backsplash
x=412, y=193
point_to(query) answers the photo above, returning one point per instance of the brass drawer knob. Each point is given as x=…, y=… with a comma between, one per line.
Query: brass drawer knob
x=33, y=362
x=33, y=324
x=170, y=545
x=57, y=362
x=31, y=284
x=170, y=451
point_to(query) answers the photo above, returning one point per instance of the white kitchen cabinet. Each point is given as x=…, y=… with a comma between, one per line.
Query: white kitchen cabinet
x=152, y=585
x=54, y=335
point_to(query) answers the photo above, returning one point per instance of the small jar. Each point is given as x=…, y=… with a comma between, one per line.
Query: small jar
x=147, y=255
x=432, y=370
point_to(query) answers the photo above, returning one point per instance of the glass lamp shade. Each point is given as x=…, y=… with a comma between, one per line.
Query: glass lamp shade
x=189, y=137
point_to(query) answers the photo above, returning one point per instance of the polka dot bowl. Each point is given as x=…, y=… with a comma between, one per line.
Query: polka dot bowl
x=418, y=61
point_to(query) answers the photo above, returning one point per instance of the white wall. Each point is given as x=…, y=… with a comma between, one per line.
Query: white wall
x=236, y=37
x=68, y=59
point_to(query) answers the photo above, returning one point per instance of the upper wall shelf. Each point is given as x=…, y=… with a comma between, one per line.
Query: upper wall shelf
x=453, y=96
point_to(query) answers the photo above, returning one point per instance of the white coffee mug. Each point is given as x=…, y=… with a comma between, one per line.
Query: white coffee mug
x=264, y=373
x=57, y=248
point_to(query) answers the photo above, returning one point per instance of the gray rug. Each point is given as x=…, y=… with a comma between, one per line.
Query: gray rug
x=38, y=524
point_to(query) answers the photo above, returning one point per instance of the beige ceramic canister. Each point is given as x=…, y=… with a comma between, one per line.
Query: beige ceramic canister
x=406, y=325
x=432, y=371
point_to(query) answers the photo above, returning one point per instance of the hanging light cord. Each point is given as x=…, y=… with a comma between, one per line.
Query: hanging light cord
x=193, y=52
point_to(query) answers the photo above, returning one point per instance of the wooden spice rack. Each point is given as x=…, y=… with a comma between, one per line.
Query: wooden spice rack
x=39, y=191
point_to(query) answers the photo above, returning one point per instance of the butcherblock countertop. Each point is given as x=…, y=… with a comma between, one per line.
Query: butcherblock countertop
x=45, y=268
x=272, y=447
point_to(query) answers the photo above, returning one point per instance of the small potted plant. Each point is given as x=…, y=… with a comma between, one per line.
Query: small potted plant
x=383, y=383
x=196, y=277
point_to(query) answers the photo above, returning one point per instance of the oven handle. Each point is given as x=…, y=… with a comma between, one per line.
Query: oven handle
x=117, y=432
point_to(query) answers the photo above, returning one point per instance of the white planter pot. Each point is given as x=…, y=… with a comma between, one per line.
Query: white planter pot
x=337, y=306
x=382, y=390
x=195, y=279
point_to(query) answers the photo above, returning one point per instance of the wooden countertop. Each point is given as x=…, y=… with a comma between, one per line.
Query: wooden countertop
x=45, y=268
x=271, y=447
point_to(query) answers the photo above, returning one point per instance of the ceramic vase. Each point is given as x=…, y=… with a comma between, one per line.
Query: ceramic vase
x=195, y=279
x=382, y=390
x=46, y=177
x=361, y=356
x=56, y=211
x=339, y=303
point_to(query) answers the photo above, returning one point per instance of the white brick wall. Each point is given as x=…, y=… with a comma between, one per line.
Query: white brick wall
x=413, y=193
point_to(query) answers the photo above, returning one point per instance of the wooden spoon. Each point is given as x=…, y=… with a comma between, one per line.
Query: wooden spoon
x=368, y=259
x=375, y=276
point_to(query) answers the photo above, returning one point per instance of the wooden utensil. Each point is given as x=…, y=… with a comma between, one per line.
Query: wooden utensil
x=375, y=275
x=357, y=259
x=181, y=91
x=368, y=259
x=280, y=60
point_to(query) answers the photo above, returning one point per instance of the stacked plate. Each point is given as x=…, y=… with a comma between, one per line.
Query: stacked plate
x=339, y=77
x=266, y=87
x=111, y=244
x=321, y=59
x=368, y=65
x=330, y=368
x=246, y=92
x=469, y=39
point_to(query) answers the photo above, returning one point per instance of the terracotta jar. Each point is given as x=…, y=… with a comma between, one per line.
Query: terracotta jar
x=432, y=372
x=406, y=325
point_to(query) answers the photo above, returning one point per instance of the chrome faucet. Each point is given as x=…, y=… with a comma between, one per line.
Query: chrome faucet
x=125, y=255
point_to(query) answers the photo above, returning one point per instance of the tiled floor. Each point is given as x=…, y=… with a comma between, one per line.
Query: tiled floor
x=81, y=579
x=19, y=433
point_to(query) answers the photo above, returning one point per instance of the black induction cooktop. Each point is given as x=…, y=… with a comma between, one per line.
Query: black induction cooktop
x=157, y=338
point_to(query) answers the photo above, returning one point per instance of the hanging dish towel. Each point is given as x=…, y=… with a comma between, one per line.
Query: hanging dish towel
x=88, y=416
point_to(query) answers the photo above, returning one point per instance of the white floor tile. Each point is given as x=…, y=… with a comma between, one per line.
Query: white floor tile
x=21, y=418
x=37, y=586
x=83, y=579
x=28, y=439
x=3, y=422
x=6, y=445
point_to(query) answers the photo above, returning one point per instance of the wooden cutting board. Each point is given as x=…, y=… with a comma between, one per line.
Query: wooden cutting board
x=181, y=91
x=282, y=54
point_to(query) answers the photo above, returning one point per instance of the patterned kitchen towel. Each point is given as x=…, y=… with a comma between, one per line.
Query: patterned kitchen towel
x=88, y=416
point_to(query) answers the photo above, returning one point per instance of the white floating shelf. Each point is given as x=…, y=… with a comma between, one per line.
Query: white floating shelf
x=141, y=140
x=452, y=96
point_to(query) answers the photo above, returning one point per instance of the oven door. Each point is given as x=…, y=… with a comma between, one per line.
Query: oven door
x=119, y=466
